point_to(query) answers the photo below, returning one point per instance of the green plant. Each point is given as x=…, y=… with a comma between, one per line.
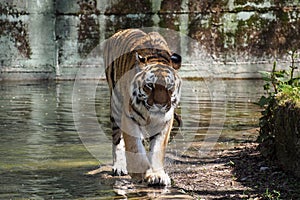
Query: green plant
x=271, y=195
x=281, y=86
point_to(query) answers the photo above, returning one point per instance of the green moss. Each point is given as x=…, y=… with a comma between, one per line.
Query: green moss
x=280, y=118
x=289, y=94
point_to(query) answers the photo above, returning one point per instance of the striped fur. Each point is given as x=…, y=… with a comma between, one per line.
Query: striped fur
x=145, y=89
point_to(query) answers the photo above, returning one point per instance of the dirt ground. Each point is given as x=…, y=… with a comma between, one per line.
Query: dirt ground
x=239, y=172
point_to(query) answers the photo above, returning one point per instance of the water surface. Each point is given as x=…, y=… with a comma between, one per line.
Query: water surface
x=43, y=156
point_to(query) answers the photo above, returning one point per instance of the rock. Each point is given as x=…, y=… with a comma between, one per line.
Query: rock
x=287, y=137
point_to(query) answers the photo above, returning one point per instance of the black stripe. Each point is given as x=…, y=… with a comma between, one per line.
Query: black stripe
x=112, y=75
x=164, y=57
x=135, y=120
x=137, y=112
x=154, y=136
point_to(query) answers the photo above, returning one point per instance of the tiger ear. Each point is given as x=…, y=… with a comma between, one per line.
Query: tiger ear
x=176, y=61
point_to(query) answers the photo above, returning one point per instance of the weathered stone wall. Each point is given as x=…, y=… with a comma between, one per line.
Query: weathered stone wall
x=50, y=38
x=26, y=38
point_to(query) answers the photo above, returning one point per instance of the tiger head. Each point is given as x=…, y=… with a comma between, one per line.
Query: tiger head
x=156, y=85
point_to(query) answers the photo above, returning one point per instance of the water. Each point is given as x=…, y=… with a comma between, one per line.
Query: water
x=42, y=156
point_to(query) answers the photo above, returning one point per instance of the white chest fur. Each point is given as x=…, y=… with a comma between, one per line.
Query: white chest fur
x=158, y=123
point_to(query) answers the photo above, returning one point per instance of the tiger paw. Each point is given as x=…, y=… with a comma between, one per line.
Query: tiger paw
x=119, y=170
x=159, y=178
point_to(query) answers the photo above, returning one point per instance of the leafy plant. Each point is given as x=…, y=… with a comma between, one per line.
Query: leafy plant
x=281, y=86
x=271, y=195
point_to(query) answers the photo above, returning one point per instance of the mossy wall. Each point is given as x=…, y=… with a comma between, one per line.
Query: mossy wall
x=49, y=38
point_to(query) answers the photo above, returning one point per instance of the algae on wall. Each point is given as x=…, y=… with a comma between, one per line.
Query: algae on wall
x=26, y=35
x=49, y=38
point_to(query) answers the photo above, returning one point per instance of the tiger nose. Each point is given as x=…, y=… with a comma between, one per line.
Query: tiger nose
x=160, y=95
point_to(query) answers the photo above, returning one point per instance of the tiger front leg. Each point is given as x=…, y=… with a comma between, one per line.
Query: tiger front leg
x=136, y=157
x=118, y=150
x=156, y=175
x=119, y=158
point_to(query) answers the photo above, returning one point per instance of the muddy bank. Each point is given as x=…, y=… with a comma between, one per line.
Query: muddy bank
x=239, y=172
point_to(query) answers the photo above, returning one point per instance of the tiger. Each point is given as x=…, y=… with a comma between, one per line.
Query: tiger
x=145, y=88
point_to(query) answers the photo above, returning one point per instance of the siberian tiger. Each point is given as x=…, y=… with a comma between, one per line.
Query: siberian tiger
x=145, y=89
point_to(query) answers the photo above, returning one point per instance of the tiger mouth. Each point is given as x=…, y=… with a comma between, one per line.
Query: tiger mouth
x=157, y=108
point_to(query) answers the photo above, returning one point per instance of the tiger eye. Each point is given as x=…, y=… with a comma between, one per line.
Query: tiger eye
x=142, y=59
x=149, y=85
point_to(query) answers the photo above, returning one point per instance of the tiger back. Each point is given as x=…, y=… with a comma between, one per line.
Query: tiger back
x=145, y=88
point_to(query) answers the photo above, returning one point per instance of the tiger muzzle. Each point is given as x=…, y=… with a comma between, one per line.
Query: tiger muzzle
x=161, y=97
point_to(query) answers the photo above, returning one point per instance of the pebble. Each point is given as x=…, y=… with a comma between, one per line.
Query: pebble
x=263, y=169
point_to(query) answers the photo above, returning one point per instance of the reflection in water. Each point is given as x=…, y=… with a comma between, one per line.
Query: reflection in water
x=42, y=156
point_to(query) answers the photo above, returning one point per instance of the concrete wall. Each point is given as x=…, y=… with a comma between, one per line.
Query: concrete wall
x=236, y=38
